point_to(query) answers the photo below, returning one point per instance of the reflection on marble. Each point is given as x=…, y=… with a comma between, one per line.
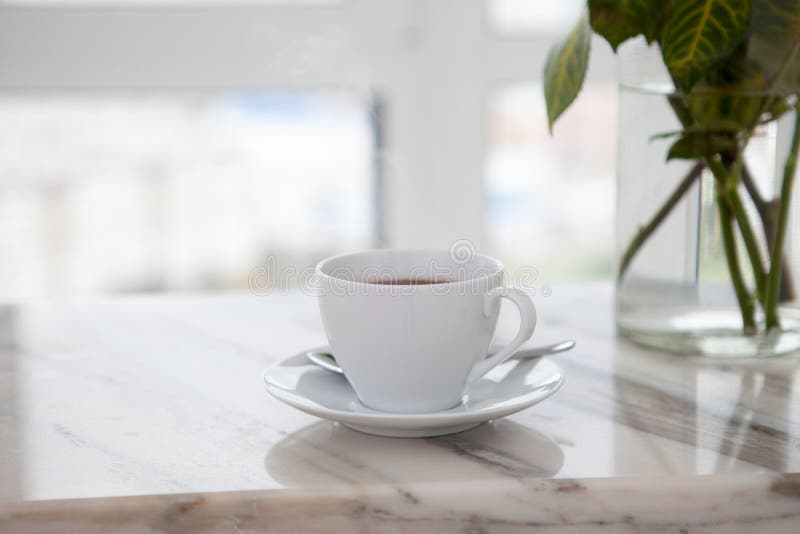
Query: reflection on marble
x=147, y=414
x=323, y=454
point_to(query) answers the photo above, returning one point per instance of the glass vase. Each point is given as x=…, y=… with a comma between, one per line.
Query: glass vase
x=676, y=291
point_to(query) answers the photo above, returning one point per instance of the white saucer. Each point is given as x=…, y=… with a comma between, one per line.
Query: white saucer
x=506, y=389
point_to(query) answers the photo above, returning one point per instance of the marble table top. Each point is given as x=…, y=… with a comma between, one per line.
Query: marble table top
x=148, y=414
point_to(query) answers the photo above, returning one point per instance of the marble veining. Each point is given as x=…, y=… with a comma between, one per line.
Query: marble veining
x=147, y=414
x=681, y=504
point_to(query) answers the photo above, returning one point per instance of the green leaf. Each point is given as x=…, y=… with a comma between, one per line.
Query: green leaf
x=700, y=33
x=776, y=19
x=775, y=34
x=566, y=69
x=731, y=96
x=665, y=135
x=726, y=110
x=694, y=129
x=619, y=20
x=700, y=145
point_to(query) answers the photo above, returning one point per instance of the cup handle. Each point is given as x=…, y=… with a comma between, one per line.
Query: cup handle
x=527, y=315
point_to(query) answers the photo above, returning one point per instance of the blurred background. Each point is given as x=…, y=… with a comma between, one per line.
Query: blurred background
x=179, y=145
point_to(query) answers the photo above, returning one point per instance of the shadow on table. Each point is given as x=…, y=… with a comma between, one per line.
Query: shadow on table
x=327, y=453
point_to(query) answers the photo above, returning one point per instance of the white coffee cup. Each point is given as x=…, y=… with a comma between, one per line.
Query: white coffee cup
x=407, y=347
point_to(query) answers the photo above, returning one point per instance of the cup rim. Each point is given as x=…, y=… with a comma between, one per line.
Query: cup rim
x=499, y=267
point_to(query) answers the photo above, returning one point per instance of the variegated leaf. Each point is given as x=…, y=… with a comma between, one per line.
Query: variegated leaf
x=619, y=20
x=775, y=29
x=566, y=69
x=699, y=34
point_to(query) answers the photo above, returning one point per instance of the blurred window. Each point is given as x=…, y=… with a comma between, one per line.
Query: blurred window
x=177, y=144
x=526, y=16
x=550, y=199
x=158, y=192
x=165, y=2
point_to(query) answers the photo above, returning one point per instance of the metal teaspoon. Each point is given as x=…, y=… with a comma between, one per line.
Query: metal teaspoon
x=327, y=361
